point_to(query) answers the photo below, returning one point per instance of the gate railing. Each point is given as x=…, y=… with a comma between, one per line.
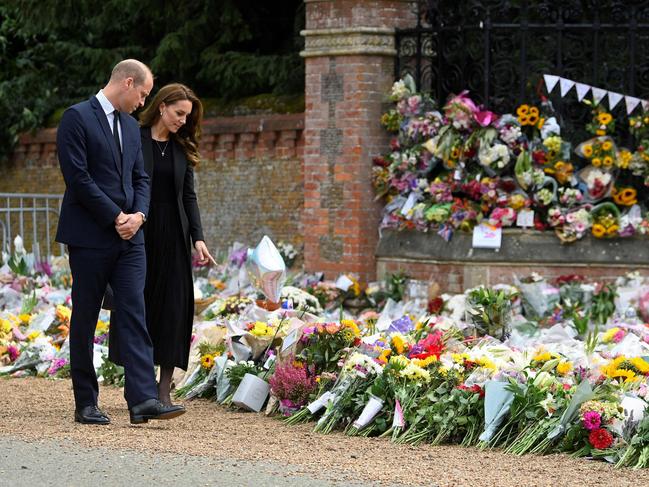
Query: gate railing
x=34, y=217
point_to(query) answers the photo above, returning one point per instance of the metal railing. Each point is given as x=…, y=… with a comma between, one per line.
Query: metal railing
x=34, y=217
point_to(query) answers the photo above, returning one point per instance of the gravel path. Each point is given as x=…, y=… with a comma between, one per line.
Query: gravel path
x=36, y=418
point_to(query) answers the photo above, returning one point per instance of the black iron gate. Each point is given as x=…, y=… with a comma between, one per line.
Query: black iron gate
x=500, y=49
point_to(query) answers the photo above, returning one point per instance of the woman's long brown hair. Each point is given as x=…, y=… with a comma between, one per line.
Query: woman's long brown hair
x=189, y=134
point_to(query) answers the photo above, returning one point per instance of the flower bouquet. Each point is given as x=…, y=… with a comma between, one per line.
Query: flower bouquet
x=598, y=183
x=606, y=220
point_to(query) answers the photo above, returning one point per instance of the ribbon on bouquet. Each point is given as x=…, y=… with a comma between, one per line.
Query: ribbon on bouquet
x=599, y=94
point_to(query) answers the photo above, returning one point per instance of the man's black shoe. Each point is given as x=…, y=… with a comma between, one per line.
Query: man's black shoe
x=154, y=409
x=91, y=415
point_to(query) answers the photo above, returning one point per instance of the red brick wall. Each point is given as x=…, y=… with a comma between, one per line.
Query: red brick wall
x=249, y=183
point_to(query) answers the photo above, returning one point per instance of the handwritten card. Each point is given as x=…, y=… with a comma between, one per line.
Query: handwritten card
x=525, y=218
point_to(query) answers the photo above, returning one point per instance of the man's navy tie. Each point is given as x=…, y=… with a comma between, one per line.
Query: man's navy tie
x=116, y=133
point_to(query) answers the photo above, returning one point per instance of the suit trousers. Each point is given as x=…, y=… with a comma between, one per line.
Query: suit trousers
x=123, y=265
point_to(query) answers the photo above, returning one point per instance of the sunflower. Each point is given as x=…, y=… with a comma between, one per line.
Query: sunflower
x=600, y=132
x=596, y=161
x=522, y=110
x=607, y=145
x=612, y=230
x=608, y=161
x=207, y=361
x=598, y=230
x=604, y=118
x=524, y=119
x=587, y=150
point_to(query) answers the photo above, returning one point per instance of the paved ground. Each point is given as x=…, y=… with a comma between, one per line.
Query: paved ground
x=40, y=463
x=212, y=445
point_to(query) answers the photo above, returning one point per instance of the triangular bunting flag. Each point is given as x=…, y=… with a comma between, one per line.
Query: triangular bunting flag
x=631, y=103
x=582, y=89
x=566, y=85
x=550, y=81
x=598, y=94
x=645, y=105
x=614, y=99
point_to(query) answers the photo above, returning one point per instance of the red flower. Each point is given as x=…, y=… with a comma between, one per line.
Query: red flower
x=600, y=438
x=435, y=305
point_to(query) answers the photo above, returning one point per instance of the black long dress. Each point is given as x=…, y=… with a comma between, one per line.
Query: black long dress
x=169, y=291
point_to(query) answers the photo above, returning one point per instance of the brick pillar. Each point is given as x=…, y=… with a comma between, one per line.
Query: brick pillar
x=349, y=55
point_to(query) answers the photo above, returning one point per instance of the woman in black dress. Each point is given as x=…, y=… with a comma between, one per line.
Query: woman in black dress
x=170, y=129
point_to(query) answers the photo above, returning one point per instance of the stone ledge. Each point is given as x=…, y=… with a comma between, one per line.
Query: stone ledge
x=518, y=246
x=348, y=42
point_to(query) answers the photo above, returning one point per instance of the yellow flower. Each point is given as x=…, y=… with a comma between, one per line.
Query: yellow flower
x=564, y=367
x=534, y=111
x=598, y=230
x=522, y=110
x=600, y=132
x=207, y=361
x=24, y=318
x=608, y=161
x=607, y=145
x=33, y=335
x=459, y=358
x=541, y=123
x=587, y=150
x=612, y=230
x=486, y=363
x=524, y=119
x=398, y=343
x=102, y=327
x=624, y=159
x=384, y=355
x=351, y=324
x=399, y=360
x=596, y=161
x=455, y=153
x=604, y=118
x=542, y=357
x=640, y=364
x=5, y=326
x=424, y=362
x=63, y=313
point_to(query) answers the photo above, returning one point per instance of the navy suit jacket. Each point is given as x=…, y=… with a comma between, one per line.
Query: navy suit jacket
x=97, y=185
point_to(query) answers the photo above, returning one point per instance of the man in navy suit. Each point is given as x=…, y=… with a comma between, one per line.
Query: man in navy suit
x=105, y=204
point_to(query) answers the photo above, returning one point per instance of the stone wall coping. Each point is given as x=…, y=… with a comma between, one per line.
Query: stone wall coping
x=349, y=41
x=253, y=123
x=518, y=246
x=347, y=30
x=211, y=126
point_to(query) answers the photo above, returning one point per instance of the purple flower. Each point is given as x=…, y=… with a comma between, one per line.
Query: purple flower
x=592, y=420
x=99, y=339
x=238, y=257
x=56, y=365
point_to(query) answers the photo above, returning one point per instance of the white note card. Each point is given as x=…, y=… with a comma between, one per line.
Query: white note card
x=487, y=237
x=525, y=218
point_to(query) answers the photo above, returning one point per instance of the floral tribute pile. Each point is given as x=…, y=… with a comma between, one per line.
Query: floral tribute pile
x=532, y=366
x=454, y=167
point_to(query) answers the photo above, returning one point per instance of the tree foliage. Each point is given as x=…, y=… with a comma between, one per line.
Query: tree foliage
x=56, y=52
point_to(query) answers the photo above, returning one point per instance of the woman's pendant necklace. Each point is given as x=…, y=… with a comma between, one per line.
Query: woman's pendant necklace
x=162, y=151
